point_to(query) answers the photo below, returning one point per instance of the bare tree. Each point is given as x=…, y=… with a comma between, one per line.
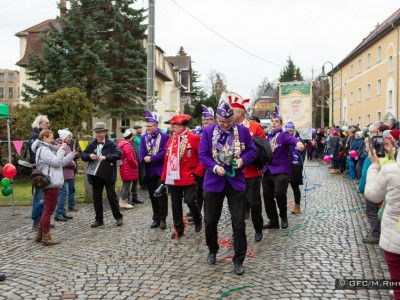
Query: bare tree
x=215, y=84
x=263, y=87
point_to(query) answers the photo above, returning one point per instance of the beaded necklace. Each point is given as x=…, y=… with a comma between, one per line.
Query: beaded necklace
x=153, y=146
x=227, y=149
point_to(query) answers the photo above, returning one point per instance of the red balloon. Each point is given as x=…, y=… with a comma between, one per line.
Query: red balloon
x=9, y=171
x=353, y=154
x=327, y=158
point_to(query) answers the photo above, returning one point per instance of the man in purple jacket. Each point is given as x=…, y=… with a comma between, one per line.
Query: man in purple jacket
x=275, y=179
x=225, y=148
x=152, y=153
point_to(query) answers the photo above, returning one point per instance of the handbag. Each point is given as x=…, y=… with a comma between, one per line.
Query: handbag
x=39, y=179
x=143, y=173
x=24, y=167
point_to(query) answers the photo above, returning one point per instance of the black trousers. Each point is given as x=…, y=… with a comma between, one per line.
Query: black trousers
x=98, y=185
x=213, y=203
x=160, y=204
x=187, y=193
x=296, y=192
x=275, y=187
x=199, y=194
x=253, y=196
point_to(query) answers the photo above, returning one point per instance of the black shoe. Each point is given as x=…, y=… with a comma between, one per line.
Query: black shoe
x=371, y=240
x=271, y=225
x=60, y=219
x=52, y=226
x=137, y=201
x=155, y=224
x=173, y=236
x=97, y=224
x=35, y=226
x=258, y=237
x=120, y=222
x=239, y=270
x=284, y=223
x=2, y=276
x=247, y=215
x=68, y=216
x=163, y=225
x=198, y=226
x=211, y=258
x=73, y=209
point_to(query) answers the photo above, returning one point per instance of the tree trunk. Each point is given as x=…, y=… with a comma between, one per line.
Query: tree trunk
x=88, y=188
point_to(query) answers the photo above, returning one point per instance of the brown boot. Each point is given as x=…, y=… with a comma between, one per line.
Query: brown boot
x=47, y=240
x=296, y=209
x=39, y=236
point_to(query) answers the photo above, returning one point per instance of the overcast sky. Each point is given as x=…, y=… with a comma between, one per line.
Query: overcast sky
x=310, y=31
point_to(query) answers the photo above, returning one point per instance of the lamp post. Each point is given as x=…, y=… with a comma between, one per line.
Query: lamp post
x=323, y=75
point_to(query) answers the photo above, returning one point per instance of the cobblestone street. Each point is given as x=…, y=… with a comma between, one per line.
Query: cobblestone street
x=136, y=262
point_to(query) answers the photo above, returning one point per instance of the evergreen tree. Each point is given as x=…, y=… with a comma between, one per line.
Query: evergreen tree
x=181, y=52
x=290, y=72
x=98, y=49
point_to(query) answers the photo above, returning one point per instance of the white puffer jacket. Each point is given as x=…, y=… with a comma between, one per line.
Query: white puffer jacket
x=385, y=184
x=51, y=162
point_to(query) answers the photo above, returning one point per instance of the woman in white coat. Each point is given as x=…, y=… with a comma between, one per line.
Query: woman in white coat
x=50, y=160
x=385, y=184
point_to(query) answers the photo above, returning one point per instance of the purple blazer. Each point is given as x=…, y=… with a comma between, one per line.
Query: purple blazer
x=157, y=161
x=214, y=182
x=281, y=159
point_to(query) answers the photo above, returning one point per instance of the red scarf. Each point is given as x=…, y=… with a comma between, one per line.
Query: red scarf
x=173, y=168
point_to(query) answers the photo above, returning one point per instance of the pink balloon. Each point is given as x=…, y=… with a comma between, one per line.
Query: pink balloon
x=327, y=158
x=9, y=171
x=353, y=154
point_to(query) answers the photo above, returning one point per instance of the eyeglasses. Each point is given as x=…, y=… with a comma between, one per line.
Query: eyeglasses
x=149, y=126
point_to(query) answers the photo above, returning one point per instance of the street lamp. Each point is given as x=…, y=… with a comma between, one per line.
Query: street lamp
x=323, y=75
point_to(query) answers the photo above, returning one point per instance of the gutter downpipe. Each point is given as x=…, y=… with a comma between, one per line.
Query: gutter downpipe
x=397, y=67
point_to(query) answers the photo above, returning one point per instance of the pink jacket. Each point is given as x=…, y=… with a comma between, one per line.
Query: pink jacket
x=68, y=170
x=129, y=167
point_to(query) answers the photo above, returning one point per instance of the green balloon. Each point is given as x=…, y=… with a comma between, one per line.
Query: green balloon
x=6, y=191
x=5, y=182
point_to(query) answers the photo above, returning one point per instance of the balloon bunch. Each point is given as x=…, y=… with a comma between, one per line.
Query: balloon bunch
x=9, y=172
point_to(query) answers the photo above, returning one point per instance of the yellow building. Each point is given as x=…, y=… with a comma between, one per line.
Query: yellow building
x=9, y=87
x=366, y=82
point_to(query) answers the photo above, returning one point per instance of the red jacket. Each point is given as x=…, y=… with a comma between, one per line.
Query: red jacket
x=189, y=164
x=129, y=167
x=255, y=129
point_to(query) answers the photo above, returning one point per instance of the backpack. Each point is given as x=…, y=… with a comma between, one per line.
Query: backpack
x=264, y=152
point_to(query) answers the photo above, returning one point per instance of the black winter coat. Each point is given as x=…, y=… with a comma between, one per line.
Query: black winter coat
x=110, y=151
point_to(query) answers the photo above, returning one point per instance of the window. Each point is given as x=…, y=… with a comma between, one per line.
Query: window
x=351, y=120
x=359, y=95
x=390, y=64
x=340, y=78
x=368, y=91
x=351, y=98
x=390, y=99
x=359, y=66
x=345, y=113
x=368, y=119
x=359, y=121
x=1, y=77
x=10, y=93
x=378, y=54
x=351, y=70
x=338, y=102
x=379, y=116
x=379, y=87
x=126, y=122
x=345, y=87
x=368, y=60
x=1, y=92
x=10, y=77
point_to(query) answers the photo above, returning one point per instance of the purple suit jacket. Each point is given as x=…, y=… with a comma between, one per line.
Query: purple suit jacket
x=281, y=162
x=157, y=161
x=214, y=182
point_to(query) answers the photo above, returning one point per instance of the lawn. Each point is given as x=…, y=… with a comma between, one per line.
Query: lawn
x=23, y=190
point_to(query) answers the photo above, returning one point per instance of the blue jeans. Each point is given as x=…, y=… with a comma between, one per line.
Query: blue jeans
x=71, y=193
x=352, y=168
x=62, y=198
x=37, y=205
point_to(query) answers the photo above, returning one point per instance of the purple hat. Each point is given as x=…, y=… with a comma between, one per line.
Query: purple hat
x=208, y=112
x=224, y=110
x=152, y=117
x=289, y=126
x=276, y=114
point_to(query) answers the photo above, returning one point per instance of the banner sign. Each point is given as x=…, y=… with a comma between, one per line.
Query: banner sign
x=295, y=104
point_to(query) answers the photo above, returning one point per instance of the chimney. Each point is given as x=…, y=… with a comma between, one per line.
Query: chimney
x=63, y=6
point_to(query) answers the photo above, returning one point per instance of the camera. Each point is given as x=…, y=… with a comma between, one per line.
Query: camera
x=376, y=143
